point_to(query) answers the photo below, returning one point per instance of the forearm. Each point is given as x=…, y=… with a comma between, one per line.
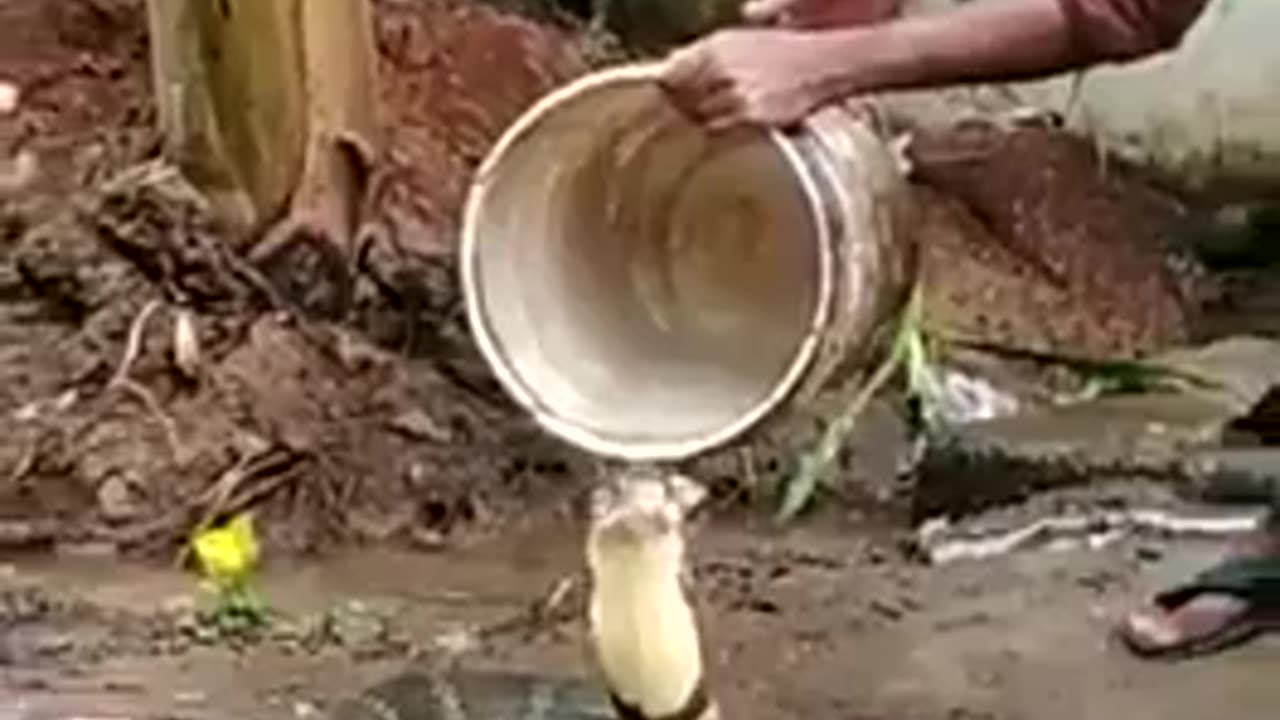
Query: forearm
x=992, y=41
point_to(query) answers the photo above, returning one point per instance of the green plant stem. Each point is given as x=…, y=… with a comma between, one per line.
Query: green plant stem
x=907, y=348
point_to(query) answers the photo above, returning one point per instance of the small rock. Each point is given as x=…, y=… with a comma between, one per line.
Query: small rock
x=378, y=526
x=190, y=698
x=123, y=685
x=182, y=611
x=203, y=633
x=357, y=627
x=87, y=549
x=962, y=713
x=356, y=355
x=763, y=606
x=428, y=539
x=48, y=644
x=416, y=475
x=1098, y=582
x=9, y=98
x=1148, y=553
x=186, y=345
x=18, y=172
x=28, y=412
x=35, y=684
x=455, y=641
x=418, y=424
x=288, y=633
x=975, y=619
x=886, y=610
x=65, y=400
x=116, y=499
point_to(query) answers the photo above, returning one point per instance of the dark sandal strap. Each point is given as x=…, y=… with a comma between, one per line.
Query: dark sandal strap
x=1255, y=580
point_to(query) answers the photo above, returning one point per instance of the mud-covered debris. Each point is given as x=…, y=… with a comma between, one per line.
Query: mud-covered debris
x=24, y=603
x=1031, y=241
x=191, y=698
x=18, y=533
x=9, y=97
x=963, y=397
x=941, y=543
x=17, y=173
x=186, y=344
x=52, y=644
x=420, y=426
x=116, y=499
x=887, y=609
x=1149, y=553
x=1178, y=436
x=428, y=539
x=378, y=525
x=95, y=549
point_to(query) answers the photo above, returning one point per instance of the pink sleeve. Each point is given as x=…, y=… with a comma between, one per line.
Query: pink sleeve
x=1126, y=29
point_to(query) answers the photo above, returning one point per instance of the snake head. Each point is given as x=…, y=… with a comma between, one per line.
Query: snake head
x=643, y=503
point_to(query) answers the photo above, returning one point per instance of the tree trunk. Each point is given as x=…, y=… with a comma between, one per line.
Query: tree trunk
x=269, y=108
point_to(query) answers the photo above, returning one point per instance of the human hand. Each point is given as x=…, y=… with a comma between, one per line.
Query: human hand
x=770, y=77
x=812, y=14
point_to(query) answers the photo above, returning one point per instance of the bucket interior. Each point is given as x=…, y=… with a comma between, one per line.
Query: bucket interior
x=647, y=289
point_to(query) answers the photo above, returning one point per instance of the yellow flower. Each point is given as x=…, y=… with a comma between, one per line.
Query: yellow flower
x=227, y=552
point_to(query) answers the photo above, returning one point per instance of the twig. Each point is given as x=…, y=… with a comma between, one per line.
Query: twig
x=559, y=594
x=1094, y=530
x=26, y=462
x=752, y=485
x=533, y=617
x=446, y=647
x=218, y=498
x=135, y=388
x=121, y=380
x=241, y=267
x=199, y=509
x=271, y=466
x=133, y=345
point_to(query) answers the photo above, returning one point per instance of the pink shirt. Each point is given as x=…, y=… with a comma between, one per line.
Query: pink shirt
x=1126, y=29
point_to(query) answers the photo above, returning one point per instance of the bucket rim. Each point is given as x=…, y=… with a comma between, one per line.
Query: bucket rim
x=491, y=348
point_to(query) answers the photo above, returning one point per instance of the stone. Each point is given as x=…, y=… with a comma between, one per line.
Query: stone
x=419, y=425
x=116, y=499
x=9, y=98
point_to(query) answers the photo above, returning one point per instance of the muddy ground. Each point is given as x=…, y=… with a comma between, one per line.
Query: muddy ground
x=111, y=445
x=387, y=470
x=815, y=625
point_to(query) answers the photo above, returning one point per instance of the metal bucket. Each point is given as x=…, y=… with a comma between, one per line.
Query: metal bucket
x=649, y=291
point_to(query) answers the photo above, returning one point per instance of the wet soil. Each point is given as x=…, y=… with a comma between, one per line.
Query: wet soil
x=813, y=624
x=382, y=427
x=1032, y=241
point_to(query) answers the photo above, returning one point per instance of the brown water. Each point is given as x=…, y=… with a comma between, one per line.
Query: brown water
x=816, y=626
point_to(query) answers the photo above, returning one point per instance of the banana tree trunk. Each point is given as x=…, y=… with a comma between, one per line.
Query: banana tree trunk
x=270, y=108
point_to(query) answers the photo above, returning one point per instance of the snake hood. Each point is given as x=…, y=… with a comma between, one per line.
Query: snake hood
x=643, y=628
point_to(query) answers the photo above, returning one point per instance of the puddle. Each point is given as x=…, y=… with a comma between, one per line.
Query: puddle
x=817, y=624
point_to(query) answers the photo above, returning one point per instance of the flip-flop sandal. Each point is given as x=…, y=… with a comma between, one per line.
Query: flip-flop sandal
x=1253, y=580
